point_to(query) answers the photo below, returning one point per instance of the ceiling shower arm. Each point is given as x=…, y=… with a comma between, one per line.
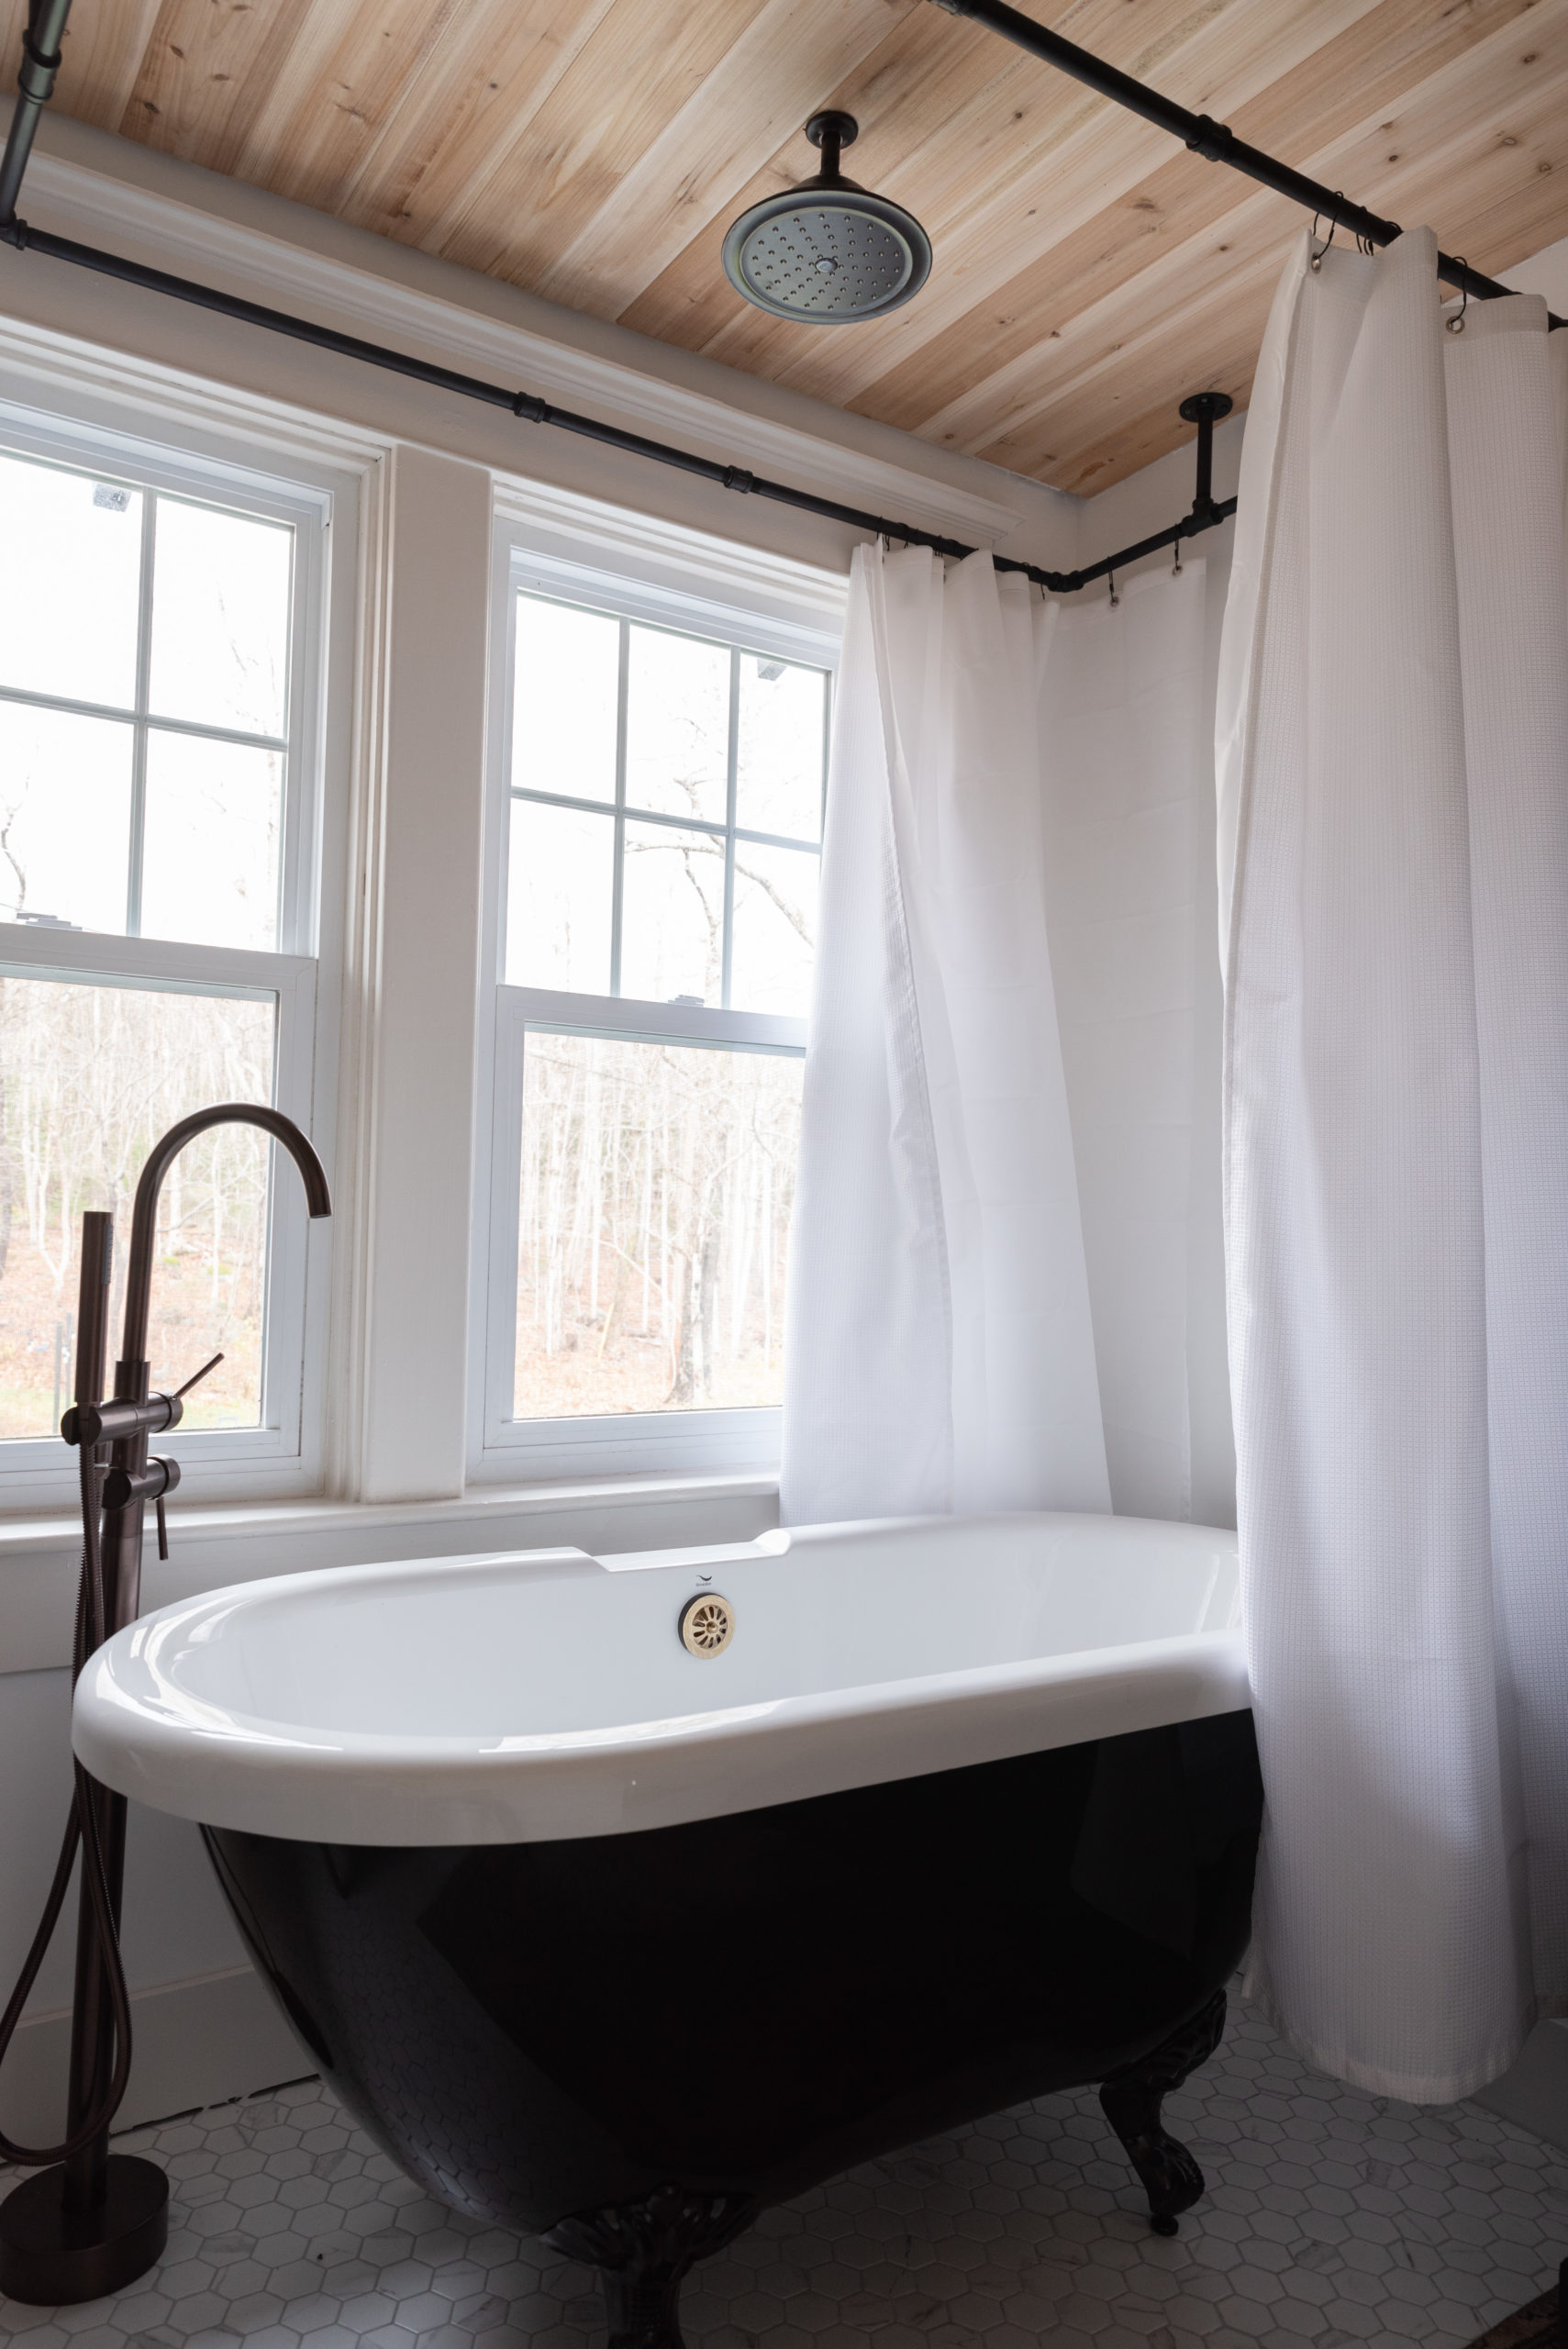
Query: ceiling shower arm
x=35, y=87
x=1213, y=140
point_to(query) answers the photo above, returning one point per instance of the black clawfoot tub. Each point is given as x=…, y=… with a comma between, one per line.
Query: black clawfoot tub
x=617, y=1901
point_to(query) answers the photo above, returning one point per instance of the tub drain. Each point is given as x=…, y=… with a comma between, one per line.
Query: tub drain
x=707, y=1624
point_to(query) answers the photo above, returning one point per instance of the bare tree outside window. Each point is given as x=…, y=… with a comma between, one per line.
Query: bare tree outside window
x=653, y=1221
x=666, y=810
x=90, y=1076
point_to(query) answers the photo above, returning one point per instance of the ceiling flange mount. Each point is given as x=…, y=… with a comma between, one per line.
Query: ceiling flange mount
x=835, y=130
x=1204, y=407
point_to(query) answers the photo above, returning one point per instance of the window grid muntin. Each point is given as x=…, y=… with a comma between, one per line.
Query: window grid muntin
x=142, y=719
x=618, y=810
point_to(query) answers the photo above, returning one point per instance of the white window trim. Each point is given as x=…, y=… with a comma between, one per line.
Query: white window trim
x=661, y=574
x=284, y=1454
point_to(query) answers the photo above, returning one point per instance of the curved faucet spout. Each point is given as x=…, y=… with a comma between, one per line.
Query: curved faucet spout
x=144, y=1215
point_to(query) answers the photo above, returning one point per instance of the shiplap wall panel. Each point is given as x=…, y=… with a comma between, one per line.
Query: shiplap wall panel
x=1088, y=271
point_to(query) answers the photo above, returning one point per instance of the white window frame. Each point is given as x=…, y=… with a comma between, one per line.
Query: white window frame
x=283, y=1454
x=664, y=584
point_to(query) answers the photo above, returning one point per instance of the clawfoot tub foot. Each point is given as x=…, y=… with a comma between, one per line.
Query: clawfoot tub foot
x=1131, y=2099
x=643, y=2250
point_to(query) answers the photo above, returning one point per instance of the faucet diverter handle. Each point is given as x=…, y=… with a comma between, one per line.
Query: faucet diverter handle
x=123, y=1485
x=153, y=1483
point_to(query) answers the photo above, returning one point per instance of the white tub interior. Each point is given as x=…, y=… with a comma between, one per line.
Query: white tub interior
x=509, y=1651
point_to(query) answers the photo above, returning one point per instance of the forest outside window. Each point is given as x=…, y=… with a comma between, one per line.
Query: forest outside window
x=157, y=664
x=664, y=791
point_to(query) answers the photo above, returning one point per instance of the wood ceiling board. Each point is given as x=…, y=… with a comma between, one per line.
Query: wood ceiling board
x=760, y=94
x=1138, y=363
x=342, y=79
x=1356, y=74
x=1087, y=271
x=1449, y=160
x=1080, y=153
x=437, y=155
x=1068, y=417
x=933, y=57
x=643, y=60
x=205, y=69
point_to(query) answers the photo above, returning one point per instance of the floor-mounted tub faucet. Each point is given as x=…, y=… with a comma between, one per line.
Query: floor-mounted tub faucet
x=96, y=2219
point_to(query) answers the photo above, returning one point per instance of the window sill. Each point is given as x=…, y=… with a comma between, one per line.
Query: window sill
x=213, y=1546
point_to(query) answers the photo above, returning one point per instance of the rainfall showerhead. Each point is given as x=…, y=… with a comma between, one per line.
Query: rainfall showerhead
x=827, y=252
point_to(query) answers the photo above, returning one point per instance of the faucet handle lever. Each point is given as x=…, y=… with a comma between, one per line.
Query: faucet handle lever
x=196, y=1376
x=123, y=1485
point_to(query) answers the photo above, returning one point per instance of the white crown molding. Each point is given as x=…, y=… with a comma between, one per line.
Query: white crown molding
x=39, y=369
x=97, y=208
x=42, y=371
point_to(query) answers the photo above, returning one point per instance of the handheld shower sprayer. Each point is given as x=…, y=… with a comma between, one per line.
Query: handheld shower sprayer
x=95, y=2221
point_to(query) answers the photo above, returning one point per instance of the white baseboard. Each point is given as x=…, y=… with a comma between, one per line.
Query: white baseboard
x=194, y=2043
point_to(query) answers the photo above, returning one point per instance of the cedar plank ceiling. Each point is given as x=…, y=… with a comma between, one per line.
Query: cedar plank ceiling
x=1088, y=271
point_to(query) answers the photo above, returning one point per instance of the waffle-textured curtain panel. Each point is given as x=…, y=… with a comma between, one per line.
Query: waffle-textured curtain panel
x=940, y=1352
x=1392, y=778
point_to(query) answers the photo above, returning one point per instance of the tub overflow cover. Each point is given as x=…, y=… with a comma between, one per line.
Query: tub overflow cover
x=707, y=1624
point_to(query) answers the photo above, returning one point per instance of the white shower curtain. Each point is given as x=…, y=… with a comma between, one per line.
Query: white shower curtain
x=939, y=1354
x=1127, y=728
x=1393, y=744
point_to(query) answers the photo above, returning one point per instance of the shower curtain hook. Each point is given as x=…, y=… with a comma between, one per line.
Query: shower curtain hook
x=1116, y=599
x=1176, y=560
x=1316, y=262
x=1456, y=324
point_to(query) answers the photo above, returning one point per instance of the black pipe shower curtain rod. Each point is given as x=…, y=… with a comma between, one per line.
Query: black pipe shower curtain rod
x=42, y=60
x=533, y=410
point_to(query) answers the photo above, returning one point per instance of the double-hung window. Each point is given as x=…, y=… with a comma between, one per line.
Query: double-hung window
x=160, y=625
x=661, y=768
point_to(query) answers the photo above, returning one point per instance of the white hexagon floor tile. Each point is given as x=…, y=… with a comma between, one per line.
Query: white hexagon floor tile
x=1332, y=2218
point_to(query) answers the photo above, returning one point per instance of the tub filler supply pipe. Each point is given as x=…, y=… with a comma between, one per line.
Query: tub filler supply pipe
x=35, y=86
x=92, y=2221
